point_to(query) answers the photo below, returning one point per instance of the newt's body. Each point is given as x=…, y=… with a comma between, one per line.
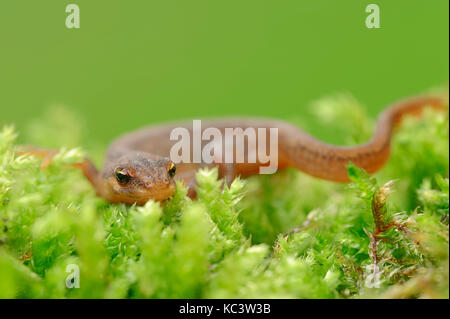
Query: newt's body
x=137, y=166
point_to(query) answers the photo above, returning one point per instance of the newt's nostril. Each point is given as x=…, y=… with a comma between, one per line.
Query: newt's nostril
x=148, y=184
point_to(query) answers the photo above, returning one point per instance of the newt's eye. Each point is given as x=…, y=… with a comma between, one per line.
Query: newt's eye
x=122, y=176
x=172, y=170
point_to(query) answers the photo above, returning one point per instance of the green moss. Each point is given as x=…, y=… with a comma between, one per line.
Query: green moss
x=281, y=236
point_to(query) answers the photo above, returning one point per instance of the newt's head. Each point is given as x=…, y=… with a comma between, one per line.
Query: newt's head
x=137, y=178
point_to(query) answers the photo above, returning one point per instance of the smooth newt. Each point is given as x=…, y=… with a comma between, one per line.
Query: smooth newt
x=137, y=166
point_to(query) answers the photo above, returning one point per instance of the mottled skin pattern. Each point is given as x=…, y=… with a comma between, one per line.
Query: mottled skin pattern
x=149, y=178
x=141, y=158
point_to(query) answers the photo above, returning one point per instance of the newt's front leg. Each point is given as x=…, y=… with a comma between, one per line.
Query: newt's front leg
x=86, y=166
x=46, y=154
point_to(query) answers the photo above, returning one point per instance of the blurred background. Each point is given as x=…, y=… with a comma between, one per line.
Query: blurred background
x=134, y=63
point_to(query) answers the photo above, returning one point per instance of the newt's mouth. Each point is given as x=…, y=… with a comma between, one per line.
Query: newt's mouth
x=142, y=195
x=161, y=193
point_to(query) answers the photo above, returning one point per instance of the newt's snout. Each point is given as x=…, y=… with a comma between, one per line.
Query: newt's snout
x=138, y=179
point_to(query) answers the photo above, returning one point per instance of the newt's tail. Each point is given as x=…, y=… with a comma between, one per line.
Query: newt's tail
x=330, y=162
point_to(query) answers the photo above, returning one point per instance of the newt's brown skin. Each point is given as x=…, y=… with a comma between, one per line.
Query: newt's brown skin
x=137, y=167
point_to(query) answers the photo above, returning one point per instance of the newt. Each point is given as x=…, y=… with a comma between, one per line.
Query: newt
x=137, y=166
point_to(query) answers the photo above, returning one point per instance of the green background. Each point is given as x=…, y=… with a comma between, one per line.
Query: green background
x=138, y=62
